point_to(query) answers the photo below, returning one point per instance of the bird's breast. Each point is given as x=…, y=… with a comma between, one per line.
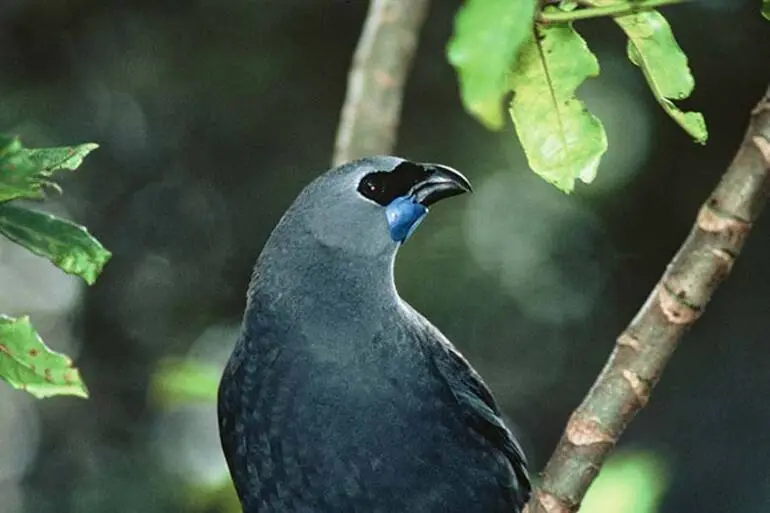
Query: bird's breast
x=362, y=419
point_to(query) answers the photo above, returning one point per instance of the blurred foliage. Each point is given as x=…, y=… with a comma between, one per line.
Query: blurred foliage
x=28, y=364
x=629, y=482
x=766, y=9
x=177, y=382
x=25, y=361
x=562, y=140
x=487, y=36
x=219, y=497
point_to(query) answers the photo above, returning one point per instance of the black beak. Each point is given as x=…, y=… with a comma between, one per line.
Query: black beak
x=440, y=182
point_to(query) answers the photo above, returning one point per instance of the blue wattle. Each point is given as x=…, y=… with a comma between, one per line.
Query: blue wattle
x=403, y=215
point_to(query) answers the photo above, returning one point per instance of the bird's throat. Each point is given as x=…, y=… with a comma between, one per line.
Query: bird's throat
x=320, y=283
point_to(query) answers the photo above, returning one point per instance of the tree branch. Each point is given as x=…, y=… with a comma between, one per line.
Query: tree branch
x=619, y=9
x=380, y=66
x=679, y=298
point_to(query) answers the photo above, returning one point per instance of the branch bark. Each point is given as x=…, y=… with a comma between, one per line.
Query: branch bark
x=381, y=63
x=678, y=300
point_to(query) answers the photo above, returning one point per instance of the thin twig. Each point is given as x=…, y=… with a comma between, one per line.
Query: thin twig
x=381, y=63
x=619, y=9
x=679, y=298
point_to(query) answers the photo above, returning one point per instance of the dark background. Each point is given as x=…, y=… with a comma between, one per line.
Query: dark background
x=212, y=114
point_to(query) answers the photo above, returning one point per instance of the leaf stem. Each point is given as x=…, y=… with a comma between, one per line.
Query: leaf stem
x=619, y=9
x=551, y=91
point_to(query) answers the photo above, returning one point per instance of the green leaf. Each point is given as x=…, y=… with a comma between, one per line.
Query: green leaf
x=487, y=36
x=49, y=160
x=562, y=140
x=26, y=363
x=69, y=246
x=632, y=483
x=24, y=171
x=652, y=47
x=182, y=381
x=18, y=174
x=766, y=9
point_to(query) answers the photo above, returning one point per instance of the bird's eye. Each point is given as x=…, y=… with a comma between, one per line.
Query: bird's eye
x=373, y=186
x=384, y=186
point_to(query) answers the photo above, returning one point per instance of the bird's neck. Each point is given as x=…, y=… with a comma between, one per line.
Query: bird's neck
x=316, y=281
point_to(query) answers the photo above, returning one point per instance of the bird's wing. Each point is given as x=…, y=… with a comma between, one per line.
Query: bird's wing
x=478, y=404
x=240, y=393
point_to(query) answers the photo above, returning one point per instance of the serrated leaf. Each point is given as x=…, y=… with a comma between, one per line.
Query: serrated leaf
x=24, y=171
x=68, y=245
x=183, y=381
x=766, y=9
x=487, y=36
x=26, y=363
x=49, y=160
x=18, y=174
x=653, y=48
x=562, y=140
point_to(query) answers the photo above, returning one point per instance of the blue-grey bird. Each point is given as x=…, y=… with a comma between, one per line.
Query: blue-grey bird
x=340, y=397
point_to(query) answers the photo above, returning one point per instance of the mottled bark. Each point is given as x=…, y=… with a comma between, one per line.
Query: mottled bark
x=381, y=63
x=678, y=300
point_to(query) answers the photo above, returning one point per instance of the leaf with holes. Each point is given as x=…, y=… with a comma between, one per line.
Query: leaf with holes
x=652, y=47
x=487, y=36
x=562, y=140
x=69, y=246
x=28, y=364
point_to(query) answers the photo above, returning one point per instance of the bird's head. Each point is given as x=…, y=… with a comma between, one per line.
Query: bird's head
x=374, y=204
